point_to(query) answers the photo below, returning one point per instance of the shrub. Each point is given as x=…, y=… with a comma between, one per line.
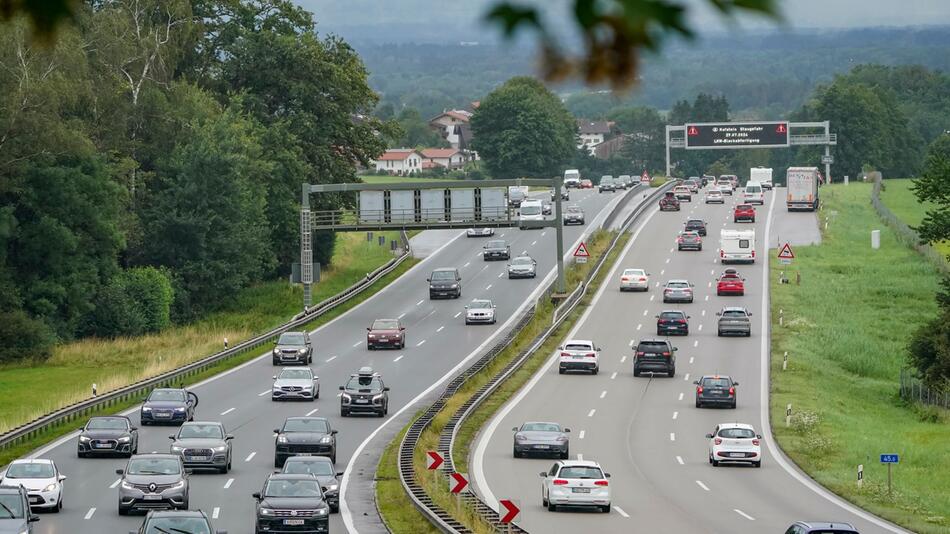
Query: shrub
x=22, y=337
x=135, y=302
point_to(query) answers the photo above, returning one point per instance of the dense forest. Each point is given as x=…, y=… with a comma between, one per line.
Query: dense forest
x=151, y=159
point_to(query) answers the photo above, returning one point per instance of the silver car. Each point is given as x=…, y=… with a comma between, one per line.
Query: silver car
x=296, y=383
x=153, y=482
x=522, y=267
x=541, y=438
x=480, y=311
x=678, y=291
x=204, y=445
x=735, y=320
x=480, y=232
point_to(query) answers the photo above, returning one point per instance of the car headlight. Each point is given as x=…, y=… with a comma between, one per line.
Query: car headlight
x=276, y=351
x=377, y=397
x=281, y=439
x=222, y=448
x=320, y=511
x=177, y=448
x=454, y=286
x=50, y=487
x=372, y=336
x=123, y=439
x=561, y=439
x=302, y=351
x=346, y=397
x=333, y=487
x=84, y=439
x=180, y=409
x=266, y=511
x=146, y=408
x=519, y=437
x=126, y=485
x=326, y=439
x=178, y=485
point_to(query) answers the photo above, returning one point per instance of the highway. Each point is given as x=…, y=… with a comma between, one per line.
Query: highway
x=646, y=431
x=437, y=342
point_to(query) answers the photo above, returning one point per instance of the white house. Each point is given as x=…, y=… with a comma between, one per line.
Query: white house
x=400, y=161
x=592, y=133
x=449, y=158
x=446, y=122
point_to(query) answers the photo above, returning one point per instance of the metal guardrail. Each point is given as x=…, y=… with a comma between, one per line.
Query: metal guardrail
x=439, y=517
x=170, y=378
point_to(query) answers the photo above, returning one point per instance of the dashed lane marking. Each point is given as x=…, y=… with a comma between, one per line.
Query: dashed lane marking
x=679, y=459
x=686, y=377
x=331, y=358
x=420, y=302
x=672, y=436
x=229, y=410
x=398, y=358
x=675, y=415
x=262, y=393
x=457, y=315
x=613, y=375
x=591, y=413
x=250, y=456
x=228, y=483
x=603, y=393
x=621, y=512
x=419, y=344
x=313, y=411
x=700, y=484
x=681, y=396
x=581, y=435
x=215, y=512
x=116, y=483
x=89, y=513
x=439, y=329
x=743, y=514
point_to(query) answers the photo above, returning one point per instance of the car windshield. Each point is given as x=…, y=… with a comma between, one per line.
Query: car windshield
x=716, y=382
x=306, y=425
x=580, y=472
x=295, y=374
x=443, y=275
x=291, y=338
x=107, y=423
x=531, y=210
x=200, y=431
x=11, y=506
x=733, y=313
x=677, y=285
x=541, y=427
x=480, y=305
x=672, y=315
x=523, y=260
x=306, y=466
x=577, y=346
x=292, y=488
x=30, y=470
x=364, y=382
x=154, y=466
x=496, y=244
x=633, y=272
x=167, y=395
x=178, y=525
x=736, y=433
x=385, y=324
x=573, y=209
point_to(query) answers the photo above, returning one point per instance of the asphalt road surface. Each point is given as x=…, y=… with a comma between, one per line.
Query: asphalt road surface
x=437, y=341
x=646, y=431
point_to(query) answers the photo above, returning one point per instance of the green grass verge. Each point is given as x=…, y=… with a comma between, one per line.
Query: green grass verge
x=57, y=431
x=395, y=506
x=846, y=330
x=434, y=483
x=898, y=196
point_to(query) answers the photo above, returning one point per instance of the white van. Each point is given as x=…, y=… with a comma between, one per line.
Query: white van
x=531, y=210
x=753, y=194
x=737, y=246
x=572, y=178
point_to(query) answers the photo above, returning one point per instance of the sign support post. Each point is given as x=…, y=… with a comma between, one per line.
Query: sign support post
x=889, y=459
x=561, y=286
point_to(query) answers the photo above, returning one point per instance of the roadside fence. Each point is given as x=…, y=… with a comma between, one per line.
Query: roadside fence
x=913, y=389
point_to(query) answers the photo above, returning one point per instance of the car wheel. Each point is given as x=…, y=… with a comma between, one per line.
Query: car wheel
x=699, y=404
x=467, y=323
x=544, y=502
x=80, y=454
x=123, y=511
x=277, y=462
x=605, y=508
x=565, y=455
x=715, y=462
x=700, y=248
x=334, y=509
x=735, y=220
x=757, y=464
x=333, y=458
x=753, y=219
x=719, y=333
x=344, y=413
x=560, y=370
x=59, y=506
x=552, y=507
x=671, y=373
x=748, y=334
x=636, y=372
x=514, y=453
x=596, y=370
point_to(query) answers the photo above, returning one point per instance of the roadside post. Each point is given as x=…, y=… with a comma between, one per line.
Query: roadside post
x=788, y=415
x=457, y=483
x=581, y=254
x=889, y=459
x=785, y=361
x=875, y=239
x=512, y=510
x=860, y=475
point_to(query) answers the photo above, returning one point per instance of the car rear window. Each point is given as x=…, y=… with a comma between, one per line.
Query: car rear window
x=743, y=243
x=671, y=315
x=744, y=207
x=652, y=347
x=733, y=313
x=736, y=433
x=716, y=382
x=677, y=285
x=577, y=346
x=580, y=472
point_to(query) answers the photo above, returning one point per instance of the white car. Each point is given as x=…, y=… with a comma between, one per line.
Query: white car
x=530, y=211
x=734, y=442
x=296, y=383
x=480, y=232
x=42, y=480
x=575, y=483
x=714, y=196
x=480, y=311
x=682, y=192
x=579, y=354
x=634, y=280
x=725, y=186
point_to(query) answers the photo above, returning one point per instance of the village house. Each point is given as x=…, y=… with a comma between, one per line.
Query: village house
x=400, y=161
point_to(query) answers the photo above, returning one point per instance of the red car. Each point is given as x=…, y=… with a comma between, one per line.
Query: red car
x=387, y=333
x=586, y=184
x=669, y=202
x=730, y=283
x=743, y=212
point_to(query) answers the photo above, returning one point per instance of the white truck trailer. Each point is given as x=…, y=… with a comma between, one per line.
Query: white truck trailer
x=802, y=192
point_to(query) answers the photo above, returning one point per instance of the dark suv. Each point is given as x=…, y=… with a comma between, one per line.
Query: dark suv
x=293, y=348
x=445, y=282
x=672, y=322
x=655, y=356
x=696, y=225
x=821, y=527
x=717, y=390
x=669, y=202
x=15, y=513
x=364, y=392
x=310, y=436
x=192, y=521
x=292, y=504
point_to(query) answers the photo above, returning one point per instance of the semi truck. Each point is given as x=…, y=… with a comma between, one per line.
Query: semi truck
x=763, y=175
x=802, y=192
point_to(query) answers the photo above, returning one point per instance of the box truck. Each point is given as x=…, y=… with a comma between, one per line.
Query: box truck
x=763, y=175
x=802, y=192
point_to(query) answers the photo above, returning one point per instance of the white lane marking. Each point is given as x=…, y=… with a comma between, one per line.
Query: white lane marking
x=544, y=232
x=228, y=483
x=311, y=412
x=743, y=514
x=603, y=393
x=657, y=284
x=357, y=344
x=439, y=329
x=591, y=413
x=477, y=254
x=398, y=358
x=581, y=435
x=419, y=344
x=672, y=436
x=667, y=260
x=662, y=271
x=644, y=314
x=621, y=512
x=613, y=375
x=533, y=243
x=501, y=274
x=229, y=410
x=116, y=483
x=467, y=264
x=700, y=484
x=623, y=359
x=681, y=396
x=487, y=287
x=401, y=315
x=89, y=513
x=675, y=415
x=502, y=235
x=262, y=393
x=704, y=313
x=639, y=326
x=695, y=344
x=420, y=302
x=250, y=456
x=651, y=299
x=457, y=315
x=712, y=271
x=700, y=328
x=679, y=459
x=707, y=298
x=709, y=284
x=671, y=249
x=686, y=378
x=580, y=457
x=331, y=358
x=691, y=358
x=215, y=512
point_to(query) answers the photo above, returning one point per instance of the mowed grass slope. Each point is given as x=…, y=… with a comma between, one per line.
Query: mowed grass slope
x=900, y=199
x=111, y=363
x=846, y=331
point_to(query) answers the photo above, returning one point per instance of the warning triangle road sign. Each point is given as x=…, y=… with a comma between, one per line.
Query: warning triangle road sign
x=692, y=131
x=781, y=128
x=786, y=252
x=581, y=251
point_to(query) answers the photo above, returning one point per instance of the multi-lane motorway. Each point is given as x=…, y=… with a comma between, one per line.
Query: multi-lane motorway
x=645, y=430
x=437, y=342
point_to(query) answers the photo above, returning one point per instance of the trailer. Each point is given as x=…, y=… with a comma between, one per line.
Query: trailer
x=802, y=192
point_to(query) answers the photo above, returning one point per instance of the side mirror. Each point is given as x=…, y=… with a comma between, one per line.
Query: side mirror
x=543, y=474
x=514, y=429
x=339, y=473
x=386, y=388
x=428, y=280
x=758, y=436
x=743, y=279
x=119, y=471
x=315, y=378
x=675, y=349
x=402, y=328
x=567, y=430
x=82, y=428
x=657, y=316
x=256, y=495
x=607, y=475
x=696, y=382
x=708, y=436
x=719, y=314
x=62, y=478
x=133, y=429
x=493, y=306
x=276, y=431
x=189, y=471
x=172, y=437
x=735, y=383
x=749, y=314
x=274, y=377
x=466, y=306
x=561, y=347
x=342, y=388
x=368, y=328
x=33, y=519
x=688, y=316
x=334, y=432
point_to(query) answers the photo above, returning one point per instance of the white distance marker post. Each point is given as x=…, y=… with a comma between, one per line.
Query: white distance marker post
x=785, y=361
x=860, y=475
x=788, y=415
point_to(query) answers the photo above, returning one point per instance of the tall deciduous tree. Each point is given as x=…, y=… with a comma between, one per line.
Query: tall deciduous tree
x=523, y=130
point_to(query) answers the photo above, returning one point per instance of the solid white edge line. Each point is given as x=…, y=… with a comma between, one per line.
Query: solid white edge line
x=764, y=401
x=345, y=513
x=477, y=465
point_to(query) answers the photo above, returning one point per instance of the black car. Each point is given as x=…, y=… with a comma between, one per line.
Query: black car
x=309, y=436
x=672, y=322
x=445, y=282
x=291, y=504
x=108, y=435
x=364, y=392
x=696, y=225
x=167, y=405
x=565, y=193
x=191, y=521
x=496, y=249
x=322, y=468
x=669, y=202
x=293, y=348
x=656, y=356
x=821, y=527
x=717, y=390
x=15, y=514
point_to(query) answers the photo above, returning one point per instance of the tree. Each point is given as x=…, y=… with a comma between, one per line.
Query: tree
x=523, y=130
x=704, y=108
x=415, y=131
x=644, y=131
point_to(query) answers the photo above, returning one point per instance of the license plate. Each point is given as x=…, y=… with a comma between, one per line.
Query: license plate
x=34, y=500
x=302, y=454
x=153, y=497
x=102, y=446
x=293, y=522
x=576, y=357
x=384, y=339
x=163, y=415
x=362, y=401
x=198, y=458
x=542, y=447
x=736, y=455
x=580, y=490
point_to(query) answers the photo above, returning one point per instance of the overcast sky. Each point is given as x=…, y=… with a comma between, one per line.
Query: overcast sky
x=334, y=15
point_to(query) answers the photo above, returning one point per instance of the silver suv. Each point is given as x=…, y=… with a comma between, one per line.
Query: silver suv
x=203, y=446
x=734, y=320
x=153, y=482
